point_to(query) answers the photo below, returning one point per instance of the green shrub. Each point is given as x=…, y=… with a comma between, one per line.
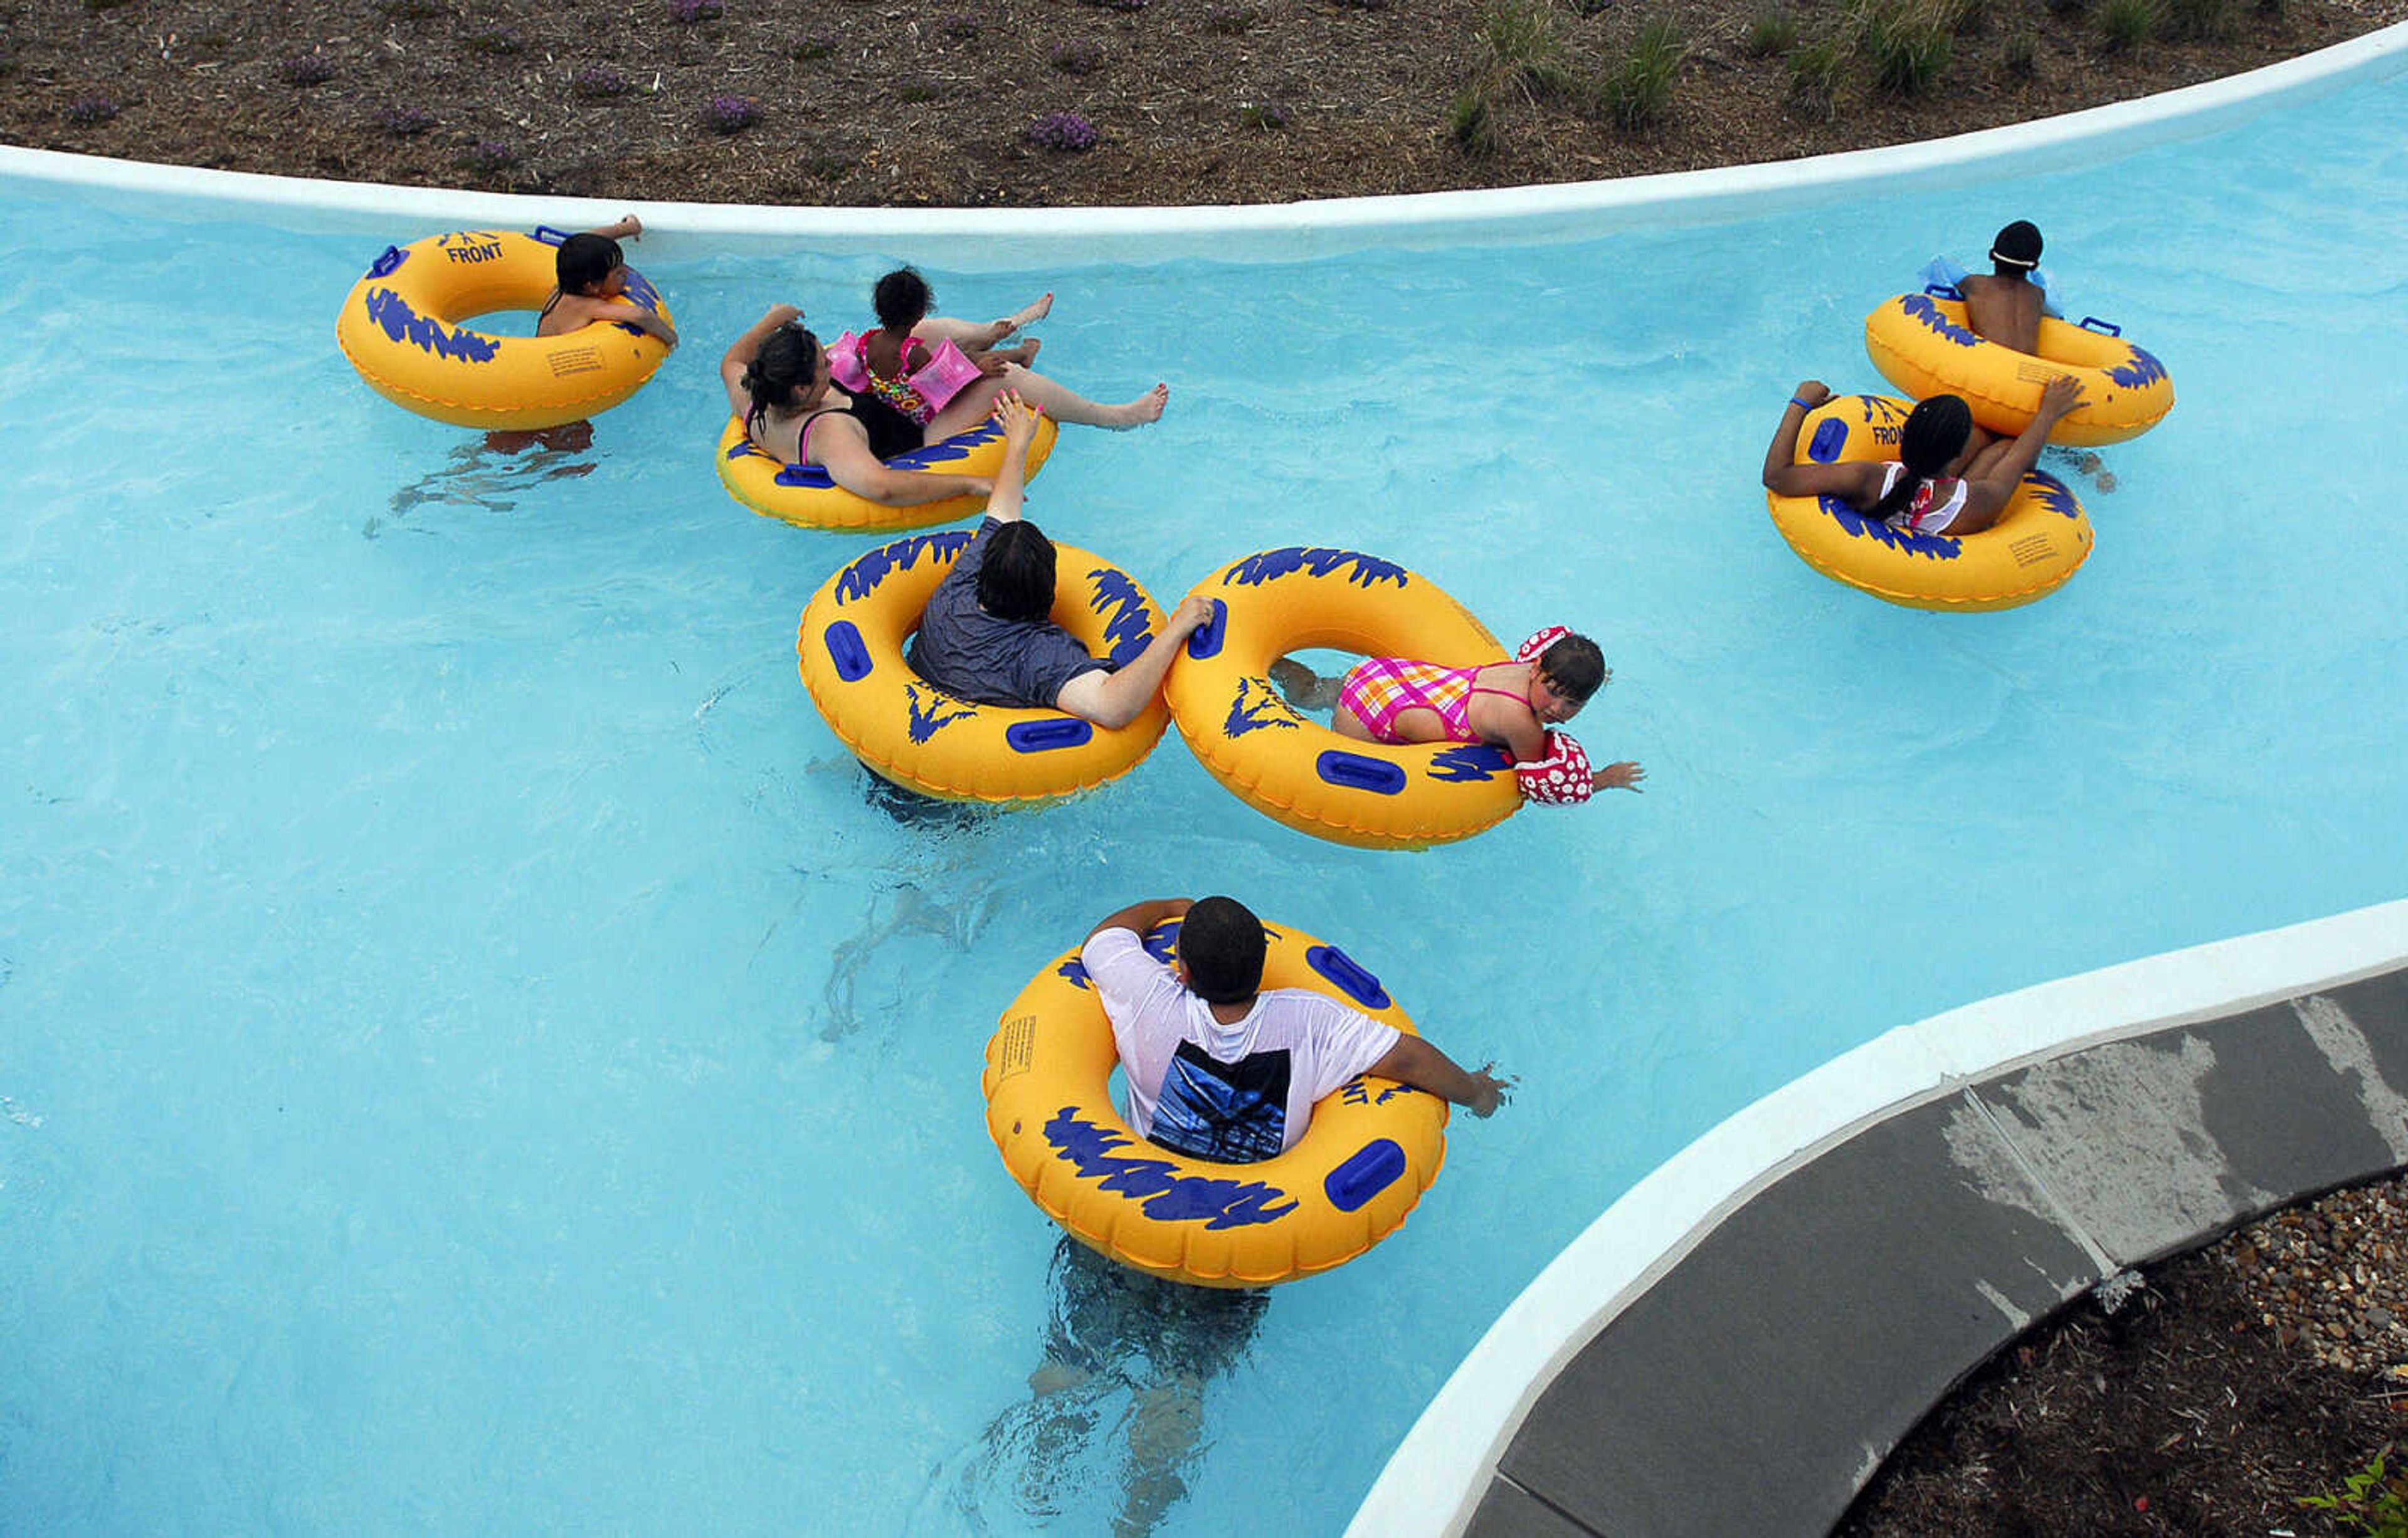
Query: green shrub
x=2126, y=23
x=1637, y=89
x=1518, y=55
x=1521, y=44
x=1472, y=121
x=1814, y=71
x=1771, y=31
x=2020, y=57
x=2206, y=21
x=2372, y=1501
x=1907, y=42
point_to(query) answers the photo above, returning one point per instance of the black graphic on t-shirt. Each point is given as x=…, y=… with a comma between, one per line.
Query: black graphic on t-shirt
x=1231, y=1113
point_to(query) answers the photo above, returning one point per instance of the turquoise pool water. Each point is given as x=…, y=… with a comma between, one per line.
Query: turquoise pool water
x=471, y=1058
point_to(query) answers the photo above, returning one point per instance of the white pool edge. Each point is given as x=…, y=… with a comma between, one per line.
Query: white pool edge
x=985, y=239
x=1435, y=1477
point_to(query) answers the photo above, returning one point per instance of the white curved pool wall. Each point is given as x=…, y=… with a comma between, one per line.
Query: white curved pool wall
x=999, y=240
x=1434, y=1481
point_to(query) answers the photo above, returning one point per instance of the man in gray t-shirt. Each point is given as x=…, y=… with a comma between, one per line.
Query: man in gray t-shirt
x=984, y=634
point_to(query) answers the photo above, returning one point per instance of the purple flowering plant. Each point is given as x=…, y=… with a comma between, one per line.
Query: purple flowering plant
x=596, y=84
x=1076, y=57
x=405, y=122
x=488, y=155
x=1064, y=131
x=730, y=114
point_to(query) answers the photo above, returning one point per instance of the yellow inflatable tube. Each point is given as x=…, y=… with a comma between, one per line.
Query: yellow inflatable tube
x=401, y=328
x=1374, y=795
x=1922, y=343
x=2037, y=544
x=1369, y=1153
x=851, y=651
x=805, y=496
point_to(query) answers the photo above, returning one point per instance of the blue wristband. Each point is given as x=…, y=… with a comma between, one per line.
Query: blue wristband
x=1800, y=405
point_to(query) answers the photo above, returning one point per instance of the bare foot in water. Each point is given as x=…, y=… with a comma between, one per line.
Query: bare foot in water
x=1027, y=315
x=1302, y=688
x=2106, y=480
x=1023, y=354
x=1138, y=413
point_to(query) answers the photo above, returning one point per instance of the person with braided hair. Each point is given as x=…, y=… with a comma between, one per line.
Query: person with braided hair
x=1950, y=476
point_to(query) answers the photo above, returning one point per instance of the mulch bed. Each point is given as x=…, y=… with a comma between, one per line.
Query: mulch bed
x=913, y=102
x=2267, y=1367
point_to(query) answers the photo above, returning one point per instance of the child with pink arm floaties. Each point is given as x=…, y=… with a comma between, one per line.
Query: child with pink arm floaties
x=1514, y=706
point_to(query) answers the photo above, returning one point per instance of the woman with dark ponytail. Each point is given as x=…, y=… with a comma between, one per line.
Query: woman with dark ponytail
x=779, y=380
x=1950, y=476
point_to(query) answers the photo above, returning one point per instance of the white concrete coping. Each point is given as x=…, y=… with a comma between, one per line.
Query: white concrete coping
x=1004, y=239
x=1434, y=1481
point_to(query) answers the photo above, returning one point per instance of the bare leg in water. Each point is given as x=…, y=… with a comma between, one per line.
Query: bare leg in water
x=976, y=402
x=971, y=335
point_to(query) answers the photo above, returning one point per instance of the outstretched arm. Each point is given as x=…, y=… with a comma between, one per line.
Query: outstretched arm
x=626, y=227
x=1143, y=919
x=1019, y=420
x=739, y=355
x=1785, y=477
x=844, y=449
x=643, y=317
x=1413, y=1061
x=1112, y=700
x=1991, y=480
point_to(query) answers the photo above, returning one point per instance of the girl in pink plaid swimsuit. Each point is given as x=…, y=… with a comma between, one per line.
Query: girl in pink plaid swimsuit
x=1398, y=700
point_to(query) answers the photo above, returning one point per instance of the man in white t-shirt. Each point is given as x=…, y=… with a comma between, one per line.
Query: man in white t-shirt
x=1218, y=1069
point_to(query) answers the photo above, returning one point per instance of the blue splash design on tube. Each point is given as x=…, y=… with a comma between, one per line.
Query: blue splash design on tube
x=2053, y=493
x=1472, y=761
x=946, y=450
x=1936, y=547
x=862, y=577
x=1358, y=1092
x=2140, y=371
x=1919, y=308
x=391, y=314
x=1370, y=570
x=814, y=477
x=1126, y=631
x=1161, y=1192
x=1256, y=707
x=933, y=710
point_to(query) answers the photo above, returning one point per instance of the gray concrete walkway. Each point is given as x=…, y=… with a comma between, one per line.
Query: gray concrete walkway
x=1757, y=1384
